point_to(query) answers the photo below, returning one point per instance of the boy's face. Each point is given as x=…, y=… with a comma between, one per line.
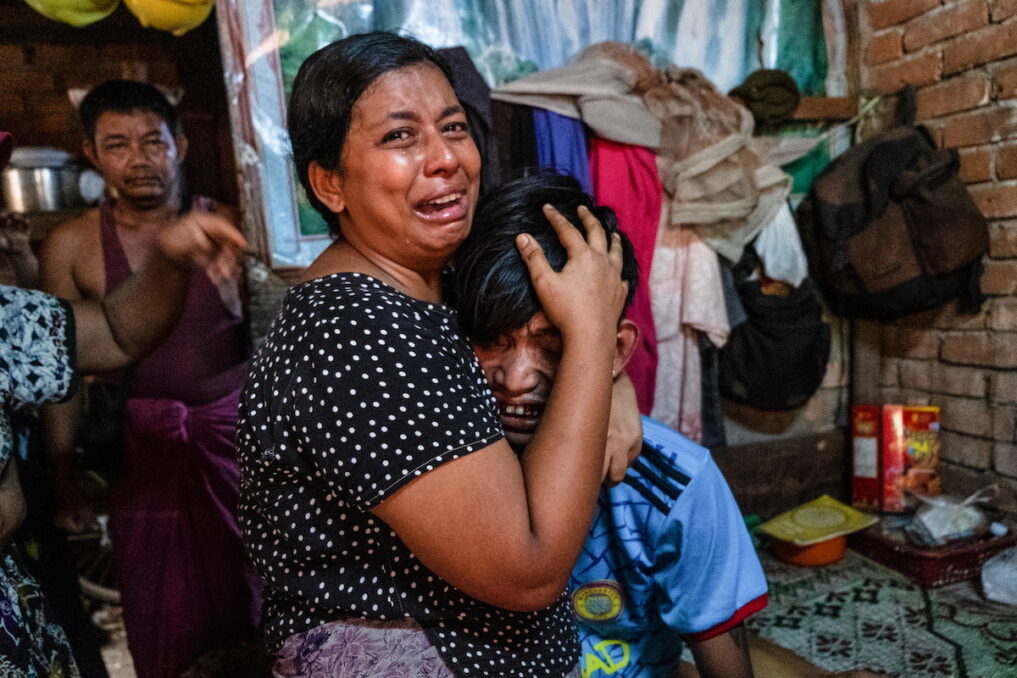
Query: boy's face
x=521, y=367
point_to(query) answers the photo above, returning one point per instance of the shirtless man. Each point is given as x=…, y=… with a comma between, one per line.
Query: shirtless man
x=173, y=500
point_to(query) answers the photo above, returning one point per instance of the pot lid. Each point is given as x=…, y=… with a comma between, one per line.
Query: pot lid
x=39, y=156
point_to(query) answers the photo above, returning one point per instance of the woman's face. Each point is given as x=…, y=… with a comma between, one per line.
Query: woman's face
x=410, y=173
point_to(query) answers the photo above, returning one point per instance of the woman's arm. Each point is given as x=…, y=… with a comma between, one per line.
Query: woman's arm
x=507, y=530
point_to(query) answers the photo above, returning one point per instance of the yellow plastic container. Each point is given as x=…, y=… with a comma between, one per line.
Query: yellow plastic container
x=816, y=521
x=74, y=12
x=821, y=553
x=175, y=16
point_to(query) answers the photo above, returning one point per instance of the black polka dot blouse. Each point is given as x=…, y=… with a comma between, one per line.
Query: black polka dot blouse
x=357, y=390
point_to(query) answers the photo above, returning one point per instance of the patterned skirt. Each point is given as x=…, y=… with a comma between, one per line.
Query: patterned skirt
x=30, y=645
x=363, y=648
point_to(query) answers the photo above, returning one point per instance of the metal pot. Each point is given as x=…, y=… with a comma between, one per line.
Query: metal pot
x=40, y=180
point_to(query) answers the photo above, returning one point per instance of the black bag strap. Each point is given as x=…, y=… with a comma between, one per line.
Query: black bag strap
x=907, y=111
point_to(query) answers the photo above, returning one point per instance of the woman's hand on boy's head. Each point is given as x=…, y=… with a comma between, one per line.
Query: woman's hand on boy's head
x=587, y=296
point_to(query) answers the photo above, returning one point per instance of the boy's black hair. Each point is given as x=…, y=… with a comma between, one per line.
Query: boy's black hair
x=488, y=283
x=125, y=96
x=325, y=93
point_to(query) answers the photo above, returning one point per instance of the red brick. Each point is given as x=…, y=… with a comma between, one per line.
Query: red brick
x=56, y=124
x=1005, y=459
x=883, y=47
x=1003, y=9
x=67, y=56
x=28, y=81
x=951, y=96
x=996, y=200
x=1006, y=83
x=937, y=377
x=889, y=372
x=945, y=23
x=911, y=343
x=1004, y=387
x=1000, y=277
x=981, y=348
x=1006, y=161
x=11, y=106
x=950, y=317
x=1003, y=239
x=88, y=75
x=980, y=127
x=967, y=450
x=1003, y=314
x=12, y=57
x=976, y=164
x=961, y=381
x=965, y=415
x=920, y=70
x=48, y=103
x=982, y=46
x=1003, y=423
x=891, y=12
x=135, y=51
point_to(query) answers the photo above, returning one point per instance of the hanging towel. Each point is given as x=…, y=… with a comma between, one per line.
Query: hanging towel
x=686, y=299
x=625, y=179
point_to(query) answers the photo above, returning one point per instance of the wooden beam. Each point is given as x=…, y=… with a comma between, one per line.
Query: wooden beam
x=771, y=477
x=826, y=108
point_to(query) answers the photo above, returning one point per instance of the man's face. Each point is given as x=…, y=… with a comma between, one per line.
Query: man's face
x=521, y=367
x=137, y=155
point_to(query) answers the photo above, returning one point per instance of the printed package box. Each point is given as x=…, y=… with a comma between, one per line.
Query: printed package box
x=895, y=451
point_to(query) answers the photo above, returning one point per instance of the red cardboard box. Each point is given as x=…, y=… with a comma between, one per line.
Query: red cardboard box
x=895, y=451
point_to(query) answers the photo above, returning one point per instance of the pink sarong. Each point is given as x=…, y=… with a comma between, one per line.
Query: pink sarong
x=183, y=576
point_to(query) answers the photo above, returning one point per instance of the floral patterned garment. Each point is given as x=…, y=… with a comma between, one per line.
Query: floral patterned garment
x=36, y=366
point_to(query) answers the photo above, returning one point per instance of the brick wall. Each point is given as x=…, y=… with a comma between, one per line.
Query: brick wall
x=41, y=59
x=962, y=57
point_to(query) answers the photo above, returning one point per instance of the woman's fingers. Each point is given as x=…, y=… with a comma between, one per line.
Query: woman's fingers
x=568, y=235
x=615, y=251
x=533, y=256
x=595, y=235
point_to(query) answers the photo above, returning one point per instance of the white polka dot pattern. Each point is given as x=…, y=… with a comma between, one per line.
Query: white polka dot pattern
x=357, y=390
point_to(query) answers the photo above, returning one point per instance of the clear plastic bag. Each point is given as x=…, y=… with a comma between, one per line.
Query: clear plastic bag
x=999, y=577
x=945, y=519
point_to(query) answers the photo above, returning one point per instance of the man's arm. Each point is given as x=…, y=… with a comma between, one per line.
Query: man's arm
x=127, y=324
x=724, y=656
x=132, y=320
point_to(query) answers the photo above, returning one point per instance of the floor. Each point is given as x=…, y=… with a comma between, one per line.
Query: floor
x=115, y=653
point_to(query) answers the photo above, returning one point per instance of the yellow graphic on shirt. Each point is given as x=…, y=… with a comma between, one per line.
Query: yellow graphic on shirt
x=604, y=661
x=598, y=601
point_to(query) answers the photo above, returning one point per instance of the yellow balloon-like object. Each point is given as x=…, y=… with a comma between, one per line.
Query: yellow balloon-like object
x=175, y=16
x=74, y=12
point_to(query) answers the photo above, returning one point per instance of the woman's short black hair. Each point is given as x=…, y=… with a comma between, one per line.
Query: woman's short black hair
x=125, y=96
x=327, y=88
x=488, y=283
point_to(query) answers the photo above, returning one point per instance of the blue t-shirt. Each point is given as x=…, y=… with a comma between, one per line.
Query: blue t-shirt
x=668, y=557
